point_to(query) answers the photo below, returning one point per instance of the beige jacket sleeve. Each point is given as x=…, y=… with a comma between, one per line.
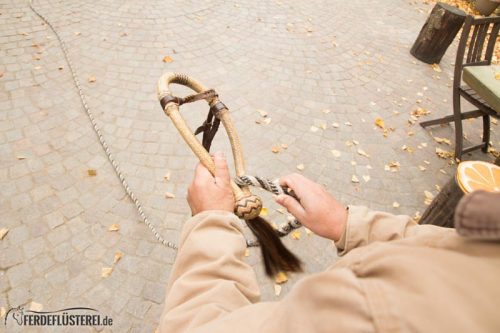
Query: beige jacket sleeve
x=211, y=289
x=365, y=226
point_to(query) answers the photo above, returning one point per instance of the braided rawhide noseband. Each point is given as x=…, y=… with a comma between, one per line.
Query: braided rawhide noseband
x=247, y=205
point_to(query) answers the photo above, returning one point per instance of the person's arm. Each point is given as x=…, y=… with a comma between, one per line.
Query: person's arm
x=324, y=215
x=212, y=289
x=364, y=226
x=209, y=278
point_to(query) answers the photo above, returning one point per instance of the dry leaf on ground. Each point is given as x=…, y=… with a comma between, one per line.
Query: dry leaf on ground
x=300, y=167
x=443, y=140
x=34, y=306
x=392, y=166
x=262, y=113
x=436, y=68
x=280, y=278
x=277, y=289
x=106, y=271
x=167, y=176
x=380, y=123
x=114, y=227
x=118, y=256
x=363, y=153
x=296, y=234
x=354, y=179
x=3, y=232
x=444, y=153
x=92, y=172
x=276, y=149
x=92, y=79
x=428, y=197
x=395, y=204
x=167, y=59
x=336, y=153
x=264, y=212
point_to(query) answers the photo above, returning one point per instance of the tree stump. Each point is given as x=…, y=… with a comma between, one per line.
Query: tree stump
x=442, y=209
x=438, y=32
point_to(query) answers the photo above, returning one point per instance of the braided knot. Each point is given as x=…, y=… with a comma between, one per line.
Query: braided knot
x=248, y=207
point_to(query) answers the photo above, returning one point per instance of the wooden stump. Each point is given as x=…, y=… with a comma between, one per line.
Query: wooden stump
x=438, y=32
x=442, y=209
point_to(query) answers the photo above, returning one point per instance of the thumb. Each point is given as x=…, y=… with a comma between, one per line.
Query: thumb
x=292, y=205
x=221, y=169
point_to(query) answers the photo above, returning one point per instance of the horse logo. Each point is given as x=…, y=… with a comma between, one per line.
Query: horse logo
x=17, y=314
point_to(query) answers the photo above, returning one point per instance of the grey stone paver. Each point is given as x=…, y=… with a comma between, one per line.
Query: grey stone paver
x=290, y=59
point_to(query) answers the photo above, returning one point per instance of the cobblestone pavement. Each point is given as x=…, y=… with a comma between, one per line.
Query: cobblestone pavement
x=291, y=60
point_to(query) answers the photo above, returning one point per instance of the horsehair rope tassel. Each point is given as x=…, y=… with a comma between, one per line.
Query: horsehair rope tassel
x=283, y=230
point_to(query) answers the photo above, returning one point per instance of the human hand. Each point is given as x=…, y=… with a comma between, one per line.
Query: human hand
x=317, y=210
x=208, y=192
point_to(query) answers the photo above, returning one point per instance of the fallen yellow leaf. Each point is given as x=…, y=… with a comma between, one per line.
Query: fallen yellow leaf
x=336, y=153
x=114, y=227
x=34, y=306
x=296, y=234
x=106, y=271
x=280, y=278
x=428, y=197
x=92, y=79
x=444, y=153
x=380, y=123
x=443, y=140
x=167, y=59
x=3, y=232
x=363, y=153
x=92, y=172
x=167, y=176
x=264, y=212
x=300, y=167
x=277, y=289
x=118, y=256
x=262, y=113
x=436, y=68
x=276, y=149
x=354, y=179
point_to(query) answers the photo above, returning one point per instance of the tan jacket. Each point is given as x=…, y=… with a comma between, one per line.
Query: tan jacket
x=397, y=277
